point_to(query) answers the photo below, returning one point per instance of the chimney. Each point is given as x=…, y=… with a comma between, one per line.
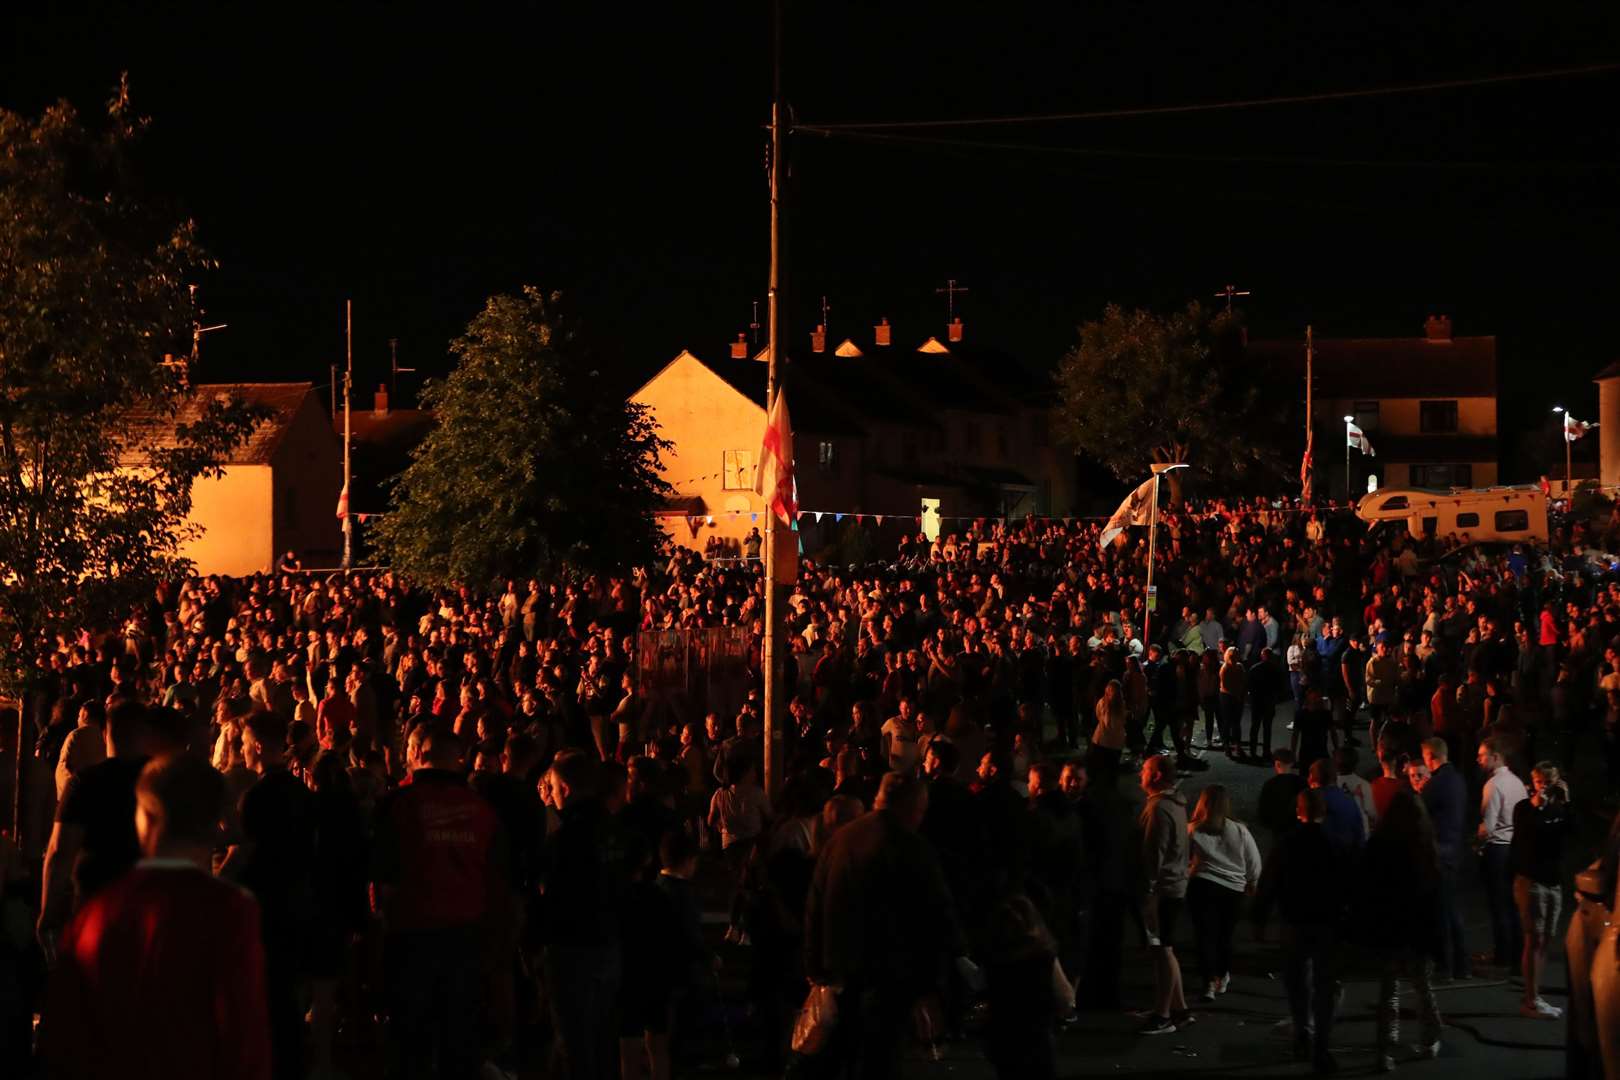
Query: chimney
x=379, y=401
x=881, y=331
x=739, y=348
x=953, y=332
x=1437, y=328
x=818, y=339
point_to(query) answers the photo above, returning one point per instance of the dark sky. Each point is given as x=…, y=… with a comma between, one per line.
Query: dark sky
x=419, y=163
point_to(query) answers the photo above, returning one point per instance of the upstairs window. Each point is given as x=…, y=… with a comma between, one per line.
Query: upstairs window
x=1437, y=417
x=824, y=456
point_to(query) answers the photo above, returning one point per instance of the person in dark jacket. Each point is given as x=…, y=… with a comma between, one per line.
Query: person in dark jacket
x=1445, y=796
x=1398, y=915
x=879, y=923
x=1021, y=992
x=583, y=875
x=1278, y=807
x=1305, y=880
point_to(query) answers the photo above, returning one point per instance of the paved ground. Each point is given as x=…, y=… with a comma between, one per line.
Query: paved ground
x=1238, y=1036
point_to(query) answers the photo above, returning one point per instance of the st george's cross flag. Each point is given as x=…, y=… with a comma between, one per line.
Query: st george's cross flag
x=774, y=477
x=1357, y=438
x=1574, y=429
x=343, y=501
x=1136, y=508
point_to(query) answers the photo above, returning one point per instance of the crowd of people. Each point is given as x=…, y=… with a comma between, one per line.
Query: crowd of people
x=469, y=830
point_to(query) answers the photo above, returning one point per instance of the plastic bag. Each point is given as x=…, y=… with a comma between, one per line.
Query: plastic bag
x=818, y=1017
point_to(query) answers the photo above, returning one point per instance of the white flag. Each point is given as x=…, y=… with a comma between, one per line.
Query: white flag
x=1574, y=429
x=1357, y=438
x=1133, y=511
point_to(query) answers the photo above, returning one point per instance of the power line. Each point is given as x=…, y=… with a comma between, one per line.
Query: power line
x=1241, y=103
x=1214, y=159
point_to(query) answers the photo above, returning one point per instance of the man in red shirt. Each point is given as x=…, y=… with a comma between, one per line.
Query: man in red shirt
x=161, y=973
x=440, y=864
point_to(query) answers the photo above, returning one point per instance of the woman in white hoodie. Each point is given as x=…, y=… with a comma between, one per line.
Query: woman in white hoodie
x=1225, y=867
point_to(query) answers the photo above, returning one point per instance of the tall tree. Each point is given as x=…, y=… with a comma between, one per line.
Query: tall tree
x=95, y=473
x=536, y=461
x=1139, y=387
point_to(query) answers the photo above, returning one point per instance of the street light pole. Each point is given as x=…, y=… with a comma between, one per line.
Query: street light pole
x=1348, y=493
x=1563, y=433
x=771, y=658
x=1153, y=532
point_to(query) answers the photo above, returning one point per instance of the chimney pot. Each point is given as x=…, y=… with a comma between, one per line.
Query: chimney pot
x=379, y=401
x=954, y=331
x=881, y=332
x=818, y=338
x=1437, y=328
x=739, y=348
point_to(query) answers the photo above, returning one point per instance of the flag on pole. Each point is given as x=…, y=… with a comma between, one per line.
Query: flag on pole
x=774, y=477
x=343, y=501
x=1357, y=438
x=1574, y=429
x=1305, y=472
x=1133, y=511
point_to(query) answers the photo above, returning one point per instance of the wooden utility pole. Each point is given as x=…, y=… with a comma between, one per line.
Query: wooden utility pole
x=772, y=660
x=1309, y=465
x=348, y=385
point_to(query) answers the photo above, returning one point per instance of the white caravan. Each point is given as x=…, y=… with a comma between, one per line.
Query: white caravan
x=1494, y=513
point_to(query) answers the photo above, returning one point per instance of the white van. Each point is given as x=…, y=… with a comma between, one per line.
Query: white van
x=1495, y=513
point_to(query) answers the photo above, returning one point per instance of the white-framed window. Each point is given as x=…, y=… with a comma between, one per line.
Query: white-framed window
x=739, y=471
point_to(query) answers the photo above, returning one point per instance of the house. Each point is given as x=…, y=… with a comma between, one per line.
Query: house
x=890, y=434
x=278, y=491
x=1426, y=404
x=382, y=440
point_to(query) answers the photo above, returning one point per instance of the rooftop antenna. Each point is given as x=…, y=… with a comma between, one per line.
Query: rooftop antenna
x=950, y=290
x=1229, y=292
x=394, y=369
x=197, y=331
x=753, y=327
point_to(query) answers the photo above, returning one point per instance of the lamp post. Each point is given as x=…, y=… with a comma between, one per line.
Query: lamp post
x=1348, y=493
x=1563, y=431
x=1153, y=532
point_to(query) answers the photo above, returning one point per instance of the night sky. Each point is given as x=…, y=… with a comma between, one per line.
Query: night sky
x=419, y=163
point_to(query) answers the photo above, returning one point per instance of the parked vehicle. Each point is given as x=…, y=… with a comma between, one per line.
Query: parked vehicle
x=1494, y=513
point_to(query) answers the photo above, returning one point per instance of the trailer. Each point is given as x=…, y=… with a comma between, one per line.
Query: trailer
x=1477, y=514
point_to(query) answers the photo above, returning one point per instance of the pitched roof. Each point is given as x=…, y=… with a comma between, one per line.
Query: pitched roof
x=811, y=407
x=157, y=427
x=1389, y=367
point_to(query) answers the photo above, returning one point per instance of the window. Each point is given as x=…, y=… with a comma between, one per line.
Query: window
x=1366, y=414
x=824, y=456
x=1442, y=476
x=1396, y=503
x=739, y=471
x=1512, y=520
x=970, y=437
x=1437, y=417
x=1467, y=521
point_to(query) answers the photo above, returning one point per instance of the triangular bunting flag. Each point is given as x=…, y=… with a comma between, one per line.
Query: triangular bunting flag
x=818, y=517
x=837, y=518
x=879, y=519
x=860, y=519
x=753, y=517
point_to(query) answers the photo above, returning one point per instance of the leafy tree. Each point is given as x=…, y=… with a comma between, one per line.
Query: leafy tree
x=95, y=469
x=536, y=461
x=1140, y=387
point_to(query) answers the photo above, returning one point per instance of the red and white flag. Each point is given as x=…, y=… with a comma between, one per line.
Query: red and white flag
x=1305, y=472
x=1574, y=429
x=774, y=477
x=343, y=501
x=1357, y=438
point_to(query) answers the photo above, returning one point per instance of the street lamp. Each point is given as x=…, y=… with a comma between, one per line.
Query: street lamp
x=1349, y=494
x=1153, y=532
x=1568, y=455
